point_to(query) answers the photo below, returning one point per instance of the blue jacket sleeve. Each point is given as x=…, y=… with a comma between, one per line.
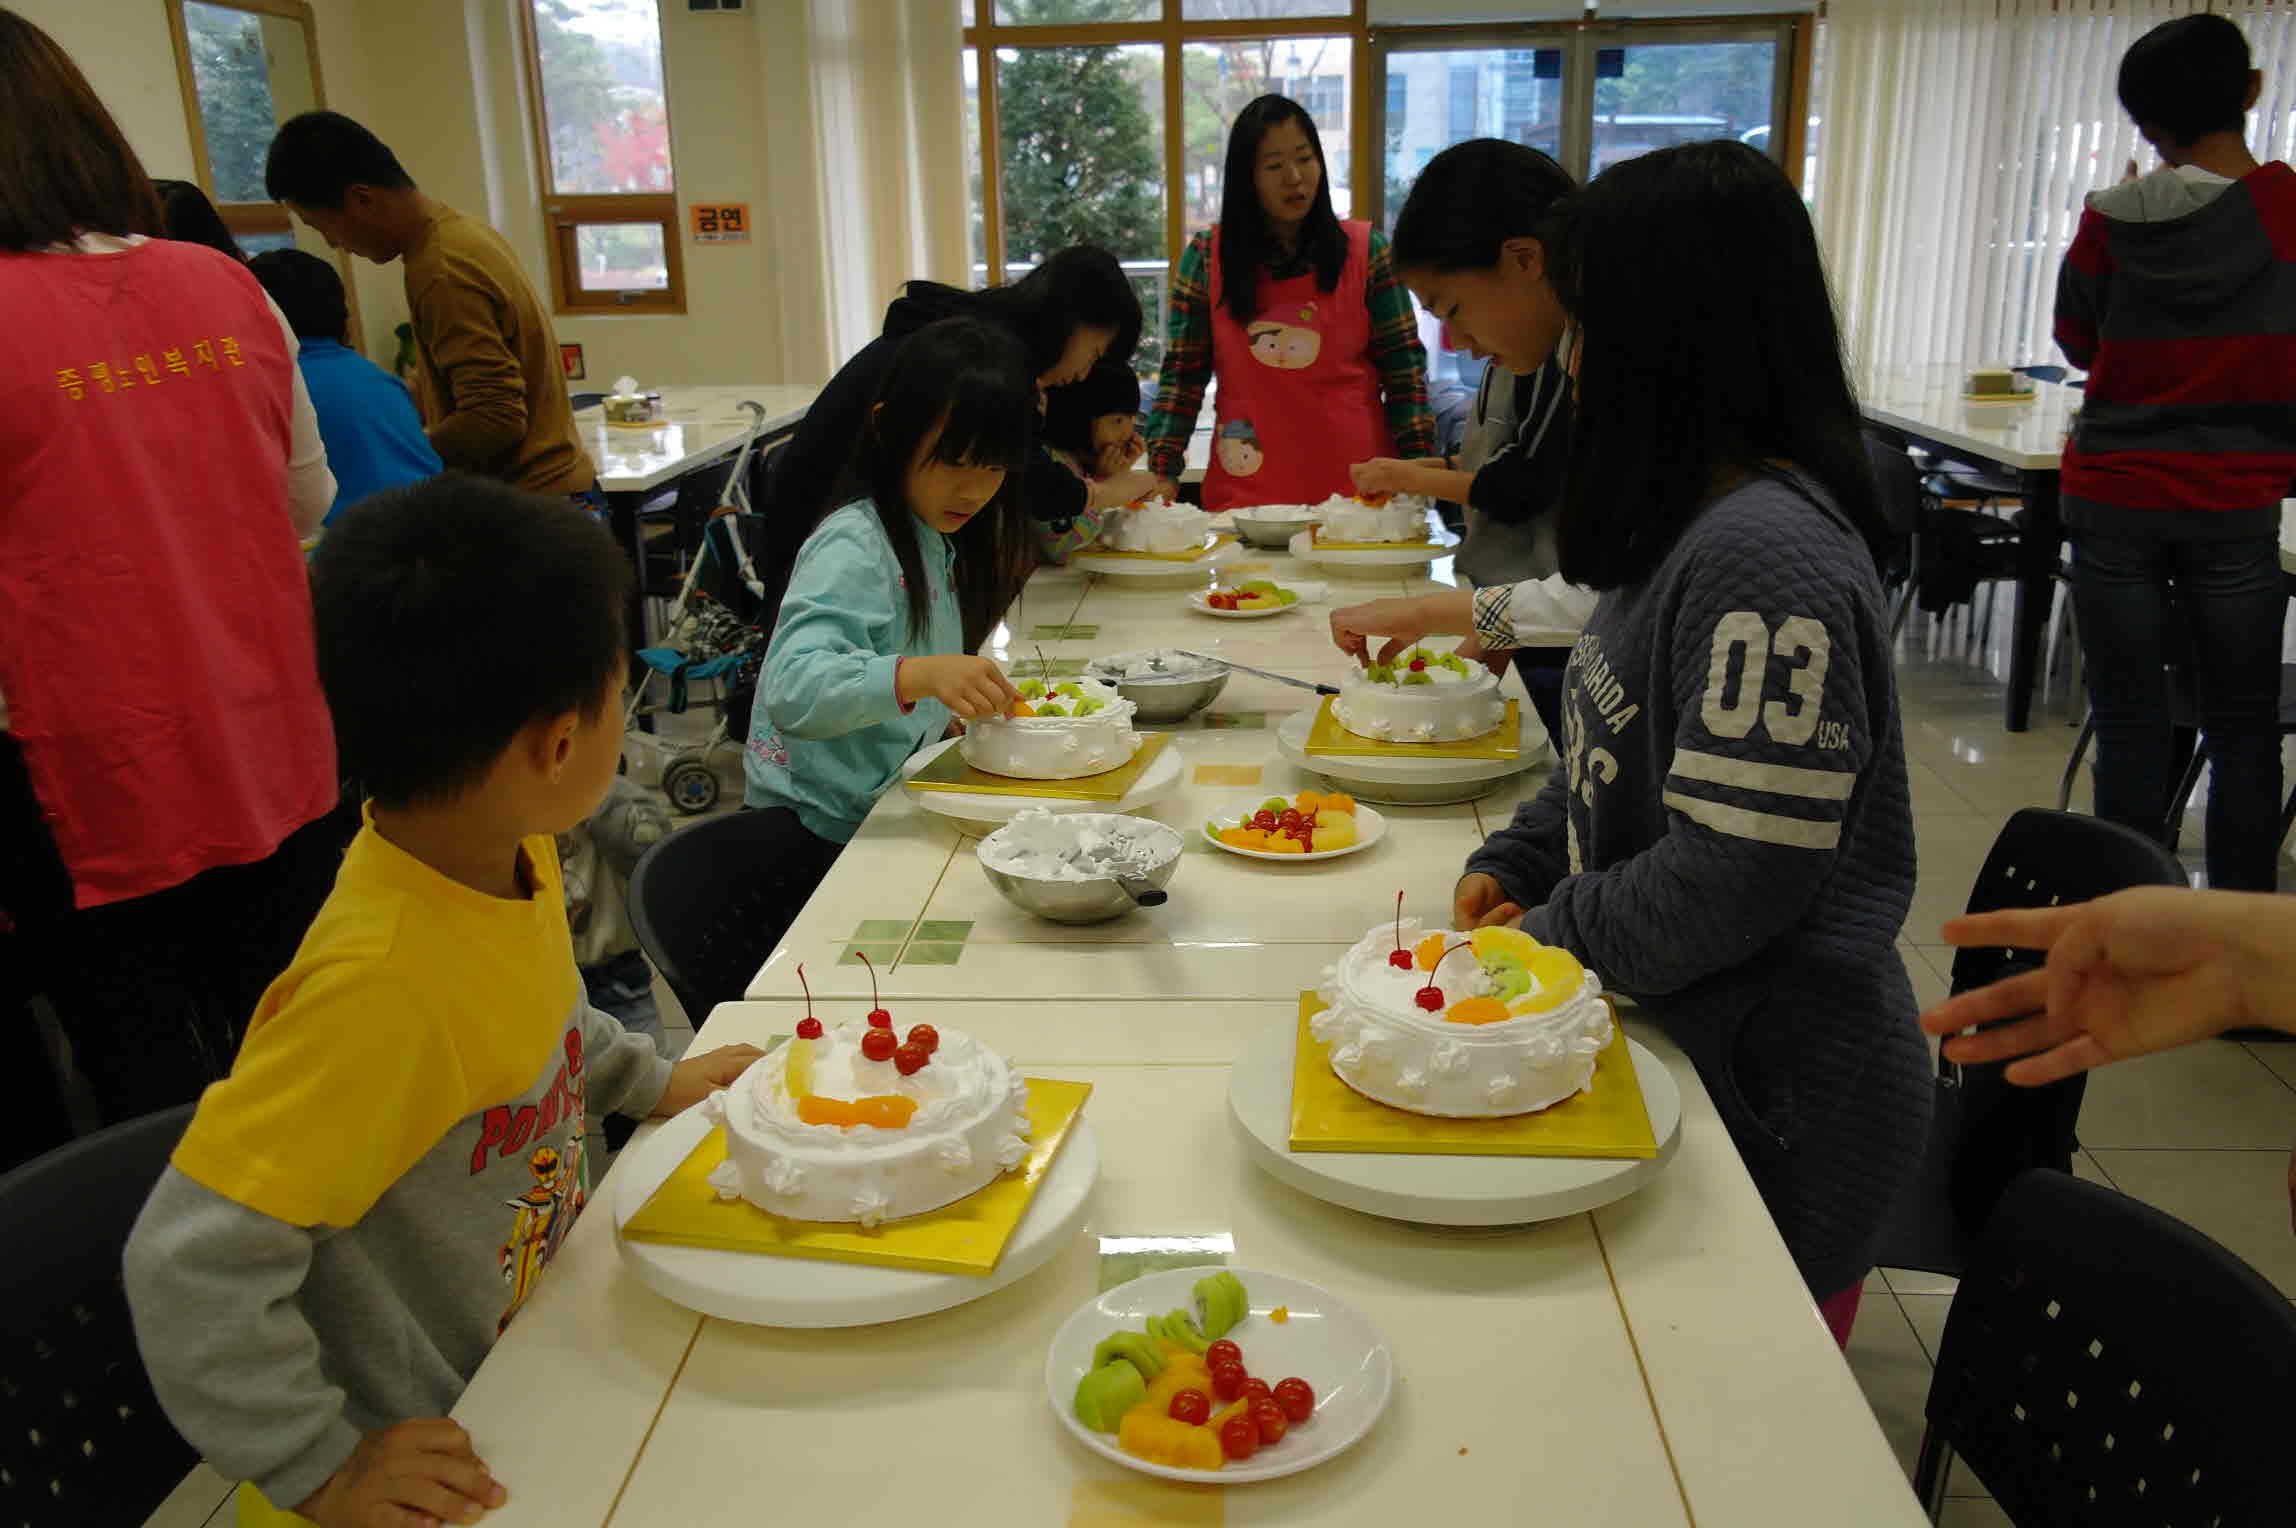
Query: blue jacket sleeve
x=830, y=668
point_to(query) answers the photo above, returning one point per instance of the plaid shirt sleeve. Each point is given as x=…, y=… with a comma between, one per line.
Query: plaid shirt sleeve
x=1187, y=361
x=1396, y=351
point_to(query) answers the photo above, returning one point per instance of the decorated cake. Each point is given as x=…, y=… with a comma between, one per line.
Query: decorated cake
x=1462, y=1025
x=1400, y=517
x=1422, y=697
x=1159, y=527
x=1060, y=731
x=853, y=1122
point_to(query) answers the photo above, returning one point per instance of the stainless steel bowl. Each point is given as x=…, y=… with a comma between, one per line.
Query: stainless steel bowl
x=1082, y=901
x=1275, y=534
x=1169, y=700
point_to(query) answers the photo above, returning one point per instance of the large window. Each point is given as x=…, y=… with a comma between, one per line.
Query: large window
x=1106, y=121
x=602, y=126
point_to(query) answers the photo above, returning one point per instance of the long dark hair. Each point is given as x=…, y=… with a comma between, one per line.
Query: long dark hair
x=964, y=378
x=1471, y=199
x=1709, y=346
x=1080, y=286
x=1245, y=241
x=192, y=218
x=65, y=167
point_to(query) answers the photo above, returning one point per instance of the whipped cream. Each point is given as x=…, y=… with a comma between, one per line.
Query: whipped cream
x=1041, y=845
x=1159, y=526
x=1152, y=665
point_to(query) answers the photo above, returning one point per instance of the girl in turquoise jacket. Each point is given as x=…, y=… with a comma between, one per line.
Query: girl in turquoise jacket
x=867, y=663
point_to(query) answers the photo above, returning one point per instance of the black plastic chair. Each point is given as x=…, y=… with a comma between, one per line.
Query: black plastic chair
x=1985, y=1131
x=1897, y=482
x=2104, y=1364
x=86, y=1441
x=710, y=901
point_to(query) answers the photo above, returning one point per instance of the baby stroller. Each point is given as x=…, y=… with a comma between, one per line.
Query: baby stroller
x=716, y=632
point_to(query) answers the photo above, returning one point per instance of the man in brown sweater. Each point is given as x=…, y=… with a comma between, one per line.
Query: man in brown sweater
x=492, y=394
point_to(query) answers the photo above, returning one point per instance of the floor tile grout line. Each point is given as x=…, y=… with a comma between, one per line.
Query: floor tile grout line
x=1649, y=1394
x=653, y=1422
x=2250, y=1052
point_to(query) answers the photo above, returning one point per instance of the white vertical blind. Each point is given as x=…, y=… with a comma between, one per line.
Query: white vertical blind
x=1958, y=140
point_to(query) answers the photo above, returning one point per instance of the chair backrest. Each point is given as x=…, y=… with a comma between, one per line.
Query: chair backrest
x=85, y=1440
x=1897, y=482
x=2044, y=858
x=710, y=901
x=2106, y=1364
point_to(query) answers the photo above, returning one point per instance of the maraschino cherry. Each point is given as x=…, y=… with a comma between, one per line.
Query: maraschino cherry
x=809, y=1027
x=879, y=1018
x=1400, y=958
x=1430, y=997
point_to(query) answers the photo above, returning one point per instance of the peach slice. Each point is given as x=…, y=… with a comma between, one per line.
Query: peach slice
x=1478, y=1010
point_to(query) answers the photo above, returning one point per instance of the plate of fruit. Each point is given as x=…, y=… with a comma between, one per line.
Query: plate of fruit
x=1220, y=1378
x=1248, y=601
x=1313, y=825
x=1066, y=698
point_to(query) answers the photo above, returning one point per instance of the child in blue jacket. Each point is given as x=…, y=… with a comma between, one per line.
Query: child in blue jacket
x=867, y=663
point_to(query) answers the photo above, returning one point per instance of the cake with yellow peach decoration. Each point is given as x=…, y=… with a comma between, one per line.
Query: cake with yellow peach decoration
x=1462, y=1025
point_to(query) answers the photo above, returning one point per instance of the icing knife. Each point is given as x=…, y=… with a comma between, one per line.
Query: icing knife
x=1297, y=684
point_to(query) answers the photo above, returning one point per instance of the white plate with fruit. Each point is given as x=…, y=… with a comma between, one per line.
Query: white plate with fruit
x=1322, y=825
x=1311, y=1375
x=1254, y=599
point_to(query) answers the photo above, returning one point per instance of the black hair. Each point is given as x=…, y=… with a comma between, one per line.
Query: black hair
x=2187, y=78
x=452, y=613
x=1245, y=241
x=966, y=379
x=190, y=218
x=1708, y=348
x=319, y=156
x=1069, y=412
x=1075, y=287
x=1471, y=199
x=308, y=290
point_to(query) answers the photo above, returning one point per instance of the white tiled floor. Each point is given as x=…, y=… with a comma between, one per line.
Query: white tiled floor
x=2203, y=1134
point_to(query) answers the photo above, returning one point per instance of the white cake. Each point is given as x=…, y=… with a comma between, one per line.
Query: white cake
x=969, y=1127
x=1546, y=1022
x=1159, y=526
x=1080, y=727
x=1423, y=697
x=1401, y=518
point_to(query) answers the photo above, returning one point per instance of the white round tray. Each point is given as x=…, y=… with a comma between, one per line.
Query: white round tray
x=1435, y=1190
x=975, y=816
x=794, y=1291
x=1304, y=548
x=1151, y=570
x=1370, y=829
x=1413, y=782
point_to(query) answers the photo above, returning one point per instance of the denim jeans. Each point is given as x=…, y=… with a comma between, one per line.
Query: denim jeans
x=2130, y=595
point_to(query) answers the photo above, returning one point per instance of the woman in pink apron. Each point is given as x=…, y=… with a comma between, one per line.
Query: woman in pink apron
x=1301, y=318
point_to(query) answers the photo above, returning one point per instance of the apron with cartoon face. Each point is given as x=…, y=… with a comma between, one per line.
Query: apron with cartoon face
x=1299, y=399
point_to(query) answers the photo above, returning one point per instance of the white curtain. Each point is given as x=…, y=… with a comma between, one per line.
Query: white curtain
x=1957, y=142
x=866, y=137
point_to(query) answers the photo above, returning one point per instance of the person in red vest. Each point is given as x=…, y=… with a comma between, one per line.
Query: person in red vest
x=166, y=759
x=1301, y=320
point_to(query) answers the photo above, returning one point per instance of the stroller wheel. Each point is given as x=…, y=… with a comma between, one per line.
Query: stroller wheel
x=691, y=785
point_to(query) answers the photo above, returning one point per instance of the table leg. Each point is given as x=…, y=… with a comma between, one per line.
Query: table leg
x=622, y=520
x=2037, y=560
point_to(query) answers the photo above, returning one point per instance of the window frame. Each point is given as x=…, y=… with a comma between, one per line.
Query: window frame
x=563, y=214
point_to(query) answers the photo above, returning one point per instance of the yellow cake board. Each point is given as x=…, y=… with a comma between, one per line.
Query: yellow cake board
x=1327, y=736
x=966, y=1237
x=1206, y=550
x=1328, y=1115
x=950, y=772
x=1421, y=545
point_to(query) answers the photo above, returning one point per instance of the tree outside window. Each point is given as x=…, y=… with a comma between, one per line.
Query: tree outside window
x=232, y=70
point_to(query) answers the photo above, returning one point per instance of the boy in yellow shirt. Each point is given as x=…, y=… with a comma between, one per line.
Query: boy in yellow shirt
x=359, y=1209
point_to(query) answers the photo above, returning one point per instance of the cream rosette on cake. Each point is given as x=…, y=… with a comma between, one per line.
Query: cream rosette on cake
x=966, y=1124
x=1062, y=731
x=1159, y=527
x=1422, y=697
x=1474, y=1025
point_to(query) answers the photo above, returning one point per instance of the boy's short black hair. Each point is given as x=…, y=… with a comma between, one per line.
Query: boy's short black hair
x=2187, y=78
x=307, y=289
x=320, y=155
x=451, y=613
x=1069, y=412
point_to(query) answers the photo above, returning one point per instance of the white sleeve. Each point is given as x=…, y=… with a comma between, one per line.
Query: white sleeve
x=310, y=485
x=1538, y=612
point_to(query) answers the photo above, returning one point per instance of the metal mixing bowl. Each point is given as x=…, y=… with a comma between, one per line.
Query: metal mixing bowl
x=1169, y=700
x=1080, y=901
x=1260, y=532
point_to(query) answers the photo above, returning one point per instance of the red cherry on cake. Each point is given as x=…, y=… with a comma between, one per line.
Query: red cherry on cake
x=1419, y=665
x=880, y=1019
x=1430, y=997
x=879, y=1045
x=1400, y=959
x=926, y=1037
x=808, y=1029
x=910, y=1058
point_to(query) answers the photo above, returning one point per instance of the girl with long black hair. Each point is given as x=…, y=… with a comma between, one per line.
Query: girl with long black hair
x=1300, y=318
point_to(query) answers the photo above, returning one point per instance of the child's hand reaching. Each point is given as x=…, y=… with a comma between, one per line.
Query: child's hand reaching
x=970, y=687
x=696, y=1077
x=415, y=1473
x=1479, y=901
